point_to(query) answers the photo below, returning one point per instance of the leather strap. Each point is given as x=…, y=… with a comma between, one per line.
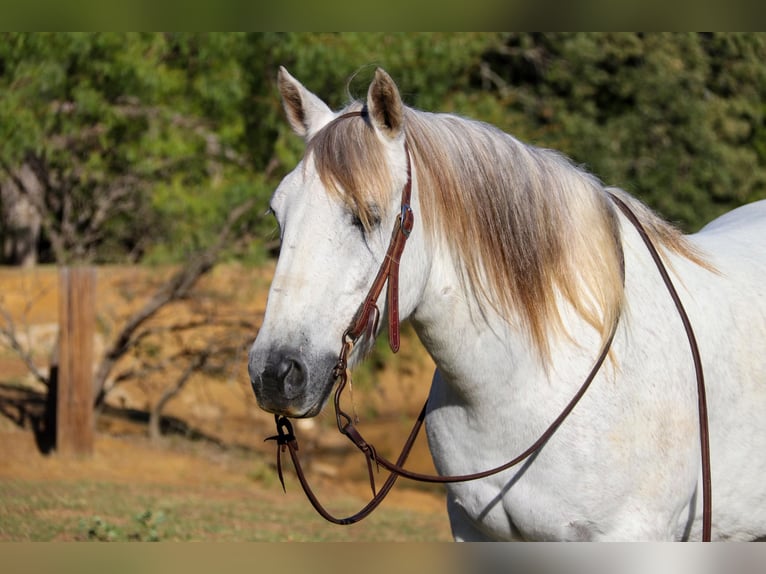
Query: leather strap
x=707, y=482
x=366, y=318
x=286, y=440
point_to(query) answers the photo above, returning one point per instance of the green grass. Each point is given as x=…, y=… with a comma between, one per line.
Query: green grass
x=101, y=511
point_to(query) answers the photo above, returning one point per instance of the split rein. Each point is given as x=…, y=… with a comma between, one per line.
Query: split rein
x=366, y=322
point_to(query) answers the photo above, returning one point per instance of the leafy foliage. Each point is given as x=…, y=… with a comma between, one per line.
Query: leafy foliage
x=135, y=146
x=122, y=133
x=677, y=119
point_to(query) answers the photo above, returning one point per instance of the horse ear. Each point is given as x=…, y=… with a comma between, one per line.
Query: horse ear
x=384, y=104
x=306, y=113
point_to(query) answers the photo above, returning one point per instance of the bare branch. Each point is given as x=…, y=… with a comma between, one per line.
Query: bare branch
x=178, y=287
x=196, y=364
x=8, y=331
x=490, y=77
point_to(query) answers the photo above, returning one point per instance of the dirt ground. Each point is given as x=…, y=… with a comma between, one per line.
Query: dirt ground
x=217, y=430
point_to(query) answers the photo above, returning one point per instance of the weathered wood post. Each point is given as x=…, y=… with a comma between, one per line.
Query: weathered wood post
x=77, y=319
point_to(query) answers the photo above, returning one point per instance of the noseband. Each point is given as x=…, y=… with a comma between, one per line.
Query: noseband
x=365, y=321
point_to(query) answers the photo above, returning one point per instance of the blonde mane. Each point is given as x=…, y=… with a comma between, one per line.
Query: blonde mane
x=525, y=226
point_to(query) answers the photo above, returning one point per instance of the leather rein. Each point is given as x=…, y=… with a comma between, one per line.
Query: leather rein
x=365, y=321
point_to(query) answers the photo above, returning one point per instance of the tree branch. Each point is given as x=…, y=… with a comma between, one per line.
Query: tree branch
x=8, y=331
x=178, y=287
x=155, y=415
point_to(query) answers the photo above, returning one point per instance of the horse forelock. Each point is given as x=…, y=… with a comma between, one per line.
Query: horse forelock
x=526, y=227
x=352, y=166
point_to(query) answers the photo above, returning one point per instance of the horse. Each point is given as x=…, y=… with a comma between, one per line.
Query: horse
x=517, y=271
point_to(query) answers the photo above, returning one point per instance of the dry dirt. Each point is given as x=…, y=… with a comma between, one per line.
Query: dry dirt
x=219, y=429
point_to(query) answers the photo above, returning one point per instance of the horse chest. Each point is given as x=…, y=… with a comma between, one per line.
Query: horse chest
x=524, y=512
x=529, y=502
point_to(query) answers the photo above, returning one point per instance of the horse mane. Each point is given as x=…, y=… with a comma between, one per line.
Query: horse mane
x=524, y=225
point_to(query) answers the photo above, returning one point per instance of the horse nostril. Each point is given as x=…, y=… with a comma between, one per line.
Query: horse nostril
x=288, y=375
x=283, y=369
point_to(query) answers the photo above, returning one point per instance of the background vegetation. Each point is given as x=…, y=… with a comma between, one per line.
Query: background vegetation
x=162, y=149
x=136, y=147
x=124, y=148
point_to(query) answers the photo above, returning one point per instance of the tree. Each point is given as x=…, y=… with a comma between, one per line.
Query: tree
x=118, y=143
x=178, y=288
x=677, y=119
x=120, y=148
x=104, y=135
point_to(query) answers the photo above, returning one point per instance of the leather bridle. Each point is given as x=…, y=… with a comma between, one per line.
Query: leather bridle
x=365, y=321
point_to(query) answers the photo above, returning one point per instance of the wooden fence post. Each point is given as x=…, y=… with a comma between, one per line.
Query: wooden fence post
x=77, y=319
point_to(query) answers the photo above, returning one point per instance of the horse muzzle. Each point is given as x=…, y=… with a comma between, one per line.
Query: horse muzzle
x=287, y=383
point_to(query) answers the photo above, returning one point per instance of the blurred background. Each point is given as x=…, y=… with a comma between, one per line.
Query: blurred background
x=151, y=158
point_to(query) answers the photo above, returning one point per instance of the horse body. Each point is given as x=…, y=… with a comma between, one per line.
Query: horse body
x=626, y=463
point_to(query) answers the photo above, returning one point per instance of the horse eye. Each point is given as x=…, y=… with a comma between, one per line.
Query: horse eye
x=356, y=221
x=374, y=221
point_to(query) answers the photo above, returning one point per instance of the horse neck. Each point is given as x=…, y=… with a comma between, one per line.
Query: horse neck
x=468, y=343
x=472, y=345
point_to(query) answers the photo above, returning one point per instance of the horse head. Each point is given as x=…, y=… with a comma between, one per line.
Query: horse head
x=335, y=213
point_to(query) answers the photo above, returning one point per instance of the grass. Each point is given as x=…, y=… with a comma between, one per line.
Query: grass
x=103, y=511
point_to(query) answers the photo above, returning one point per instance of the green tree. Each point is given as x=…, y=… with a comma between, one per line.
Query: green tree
x=128, y=147
x=165, y=147
x=135, y=146
x=677, y=119
x=115, y=139
x=339, y=66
